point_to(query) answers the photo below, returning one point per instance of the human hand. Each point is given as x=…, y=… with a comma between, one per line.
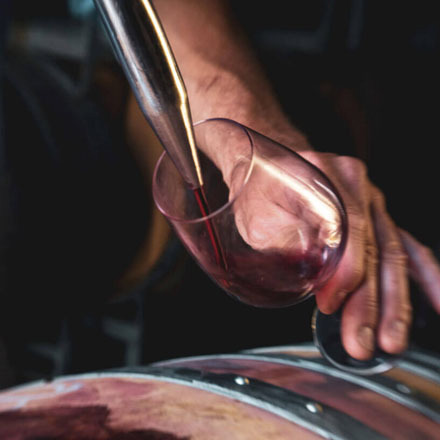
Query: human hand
x=224, y=79
x=371, y=281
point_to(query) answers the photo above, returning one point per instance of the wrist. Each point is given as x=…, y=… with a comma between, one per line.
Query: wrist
x=223, y=94
x=222, y=75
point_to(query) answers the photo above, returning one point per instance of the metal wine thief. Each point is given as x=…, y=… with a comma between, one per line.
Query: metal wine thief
x=148, y=62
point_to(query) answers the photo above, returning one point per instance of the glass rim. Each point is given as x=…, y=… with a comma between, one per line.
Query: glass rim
x=230, y=202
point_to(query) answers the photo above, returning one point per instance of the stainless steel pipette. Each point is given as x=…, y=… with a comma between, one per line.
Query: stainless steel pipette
x=145, y=55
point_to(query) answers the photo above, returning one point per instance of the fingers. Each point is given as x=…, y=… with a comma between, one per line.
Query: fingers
x=371, y=276
x=396, y=311
x=371, y=282
x=361, y=310
x=360, y=313
x=385, y=287
x=351, y=270
x=348, y=276
x=423, y=267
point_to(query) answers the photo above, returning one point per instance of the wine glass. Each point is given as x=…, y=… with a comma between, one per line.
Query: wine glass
x=267, y=226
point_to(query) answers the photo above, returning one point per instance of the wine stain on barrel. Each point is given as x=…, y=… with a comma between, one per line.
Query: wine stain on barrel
x=79, y=423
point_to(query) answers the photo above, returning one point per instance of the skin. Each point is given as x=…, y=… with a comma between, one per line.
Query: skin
x=224, y=79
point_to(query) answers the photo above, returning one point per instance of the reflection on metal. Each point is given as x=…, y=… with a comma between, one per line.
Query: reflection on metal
x=241, y=380
x=148, y=62
x=422, y=364
x=403, y=388
x=418, y=370
x=382, y=385
x=314, y=407
x=417, y=362
x=306, y=348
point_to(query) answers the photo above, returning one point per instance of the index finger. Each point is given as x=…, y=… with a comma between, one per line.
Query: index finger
x=355, y=192
x=349, y=274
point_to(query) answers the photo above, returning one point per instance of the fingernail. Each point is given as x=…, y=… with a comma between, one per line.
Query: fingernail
x=397, y=331
x=366, y=338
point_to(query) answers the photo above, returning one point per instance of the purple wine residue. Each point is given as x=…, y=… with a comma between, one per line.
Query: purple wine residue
x=67, y=423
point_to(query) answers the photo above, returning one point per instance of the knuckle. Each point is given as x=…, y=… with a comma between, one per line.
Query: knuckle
x=364, y=305
x=321, y=158
x=372, y=253
x=255, y=235
x=323, y=161
x=394, y=254
x=354, y=164
x=329, y=156
x=355, y=278
x=357, y=223
x=359, y=166
x=370, y=309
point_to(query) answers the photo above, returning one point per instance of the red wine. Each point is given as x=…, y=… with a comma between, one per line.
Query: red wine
x=259, y=278
x=202, y=203
x=271, y=279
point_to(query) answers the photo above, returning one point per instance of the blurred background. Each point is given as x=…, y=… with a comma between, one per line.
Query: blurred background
x=359, y=78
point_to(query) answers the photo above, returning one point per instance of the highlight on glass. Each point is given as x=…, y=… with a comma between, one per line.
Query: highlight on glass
x=267, y=225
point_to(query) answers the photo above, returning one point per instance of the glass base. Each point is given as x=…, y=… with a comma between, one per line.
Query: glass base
x=327, y=337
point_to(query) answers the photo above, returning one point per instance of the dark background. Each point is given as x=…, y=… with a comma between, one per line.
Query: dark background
x=358, y=77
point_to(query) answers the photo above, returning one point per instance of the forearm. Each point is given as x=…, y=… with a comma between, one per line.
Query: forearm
x=222, y=76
